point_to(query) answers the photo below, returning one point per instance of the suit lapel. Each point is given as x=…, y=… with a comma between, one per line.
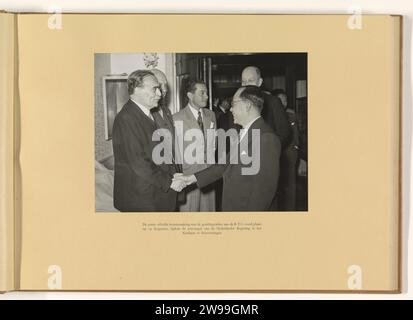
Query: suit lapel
x=190, y=117
x=247, y=148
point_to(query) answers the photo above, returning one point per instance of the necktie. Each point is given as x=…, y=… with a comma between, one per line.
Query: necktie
x=162, y=123
x=200, y=123
x=157, y=118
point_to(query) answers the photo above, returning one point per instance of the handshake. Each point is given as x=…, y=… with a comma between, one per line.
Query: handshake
x=180, y=181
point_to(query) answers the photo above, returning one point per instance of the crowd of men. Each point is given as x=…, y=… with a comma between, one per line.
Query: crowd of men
x=262, y=121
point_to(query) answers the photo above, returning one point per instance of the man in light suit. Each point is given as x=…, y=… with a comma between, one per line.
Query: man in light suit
x=140, y=184
x=196, y=118
x=163, y=119
x=242, y=190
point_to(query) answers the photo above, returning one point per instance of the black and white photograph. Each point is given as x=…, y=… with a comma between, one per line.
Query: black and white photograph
x=201, y=132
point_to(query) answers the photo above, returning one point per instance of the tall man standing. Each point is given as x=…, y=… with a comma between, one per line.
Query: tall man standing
x=273, y=111
x=196, y=118
x=163, y=119
x=162, y=115
x=140, y=184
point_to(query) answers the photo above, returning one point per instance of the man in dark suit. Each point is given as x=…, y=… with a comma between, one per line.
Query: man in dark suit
x=273, y=111
x=225, y=120
x=246, y=189
x=140, y=184
x=163, y=116
x=288, y=177
x=274, y=115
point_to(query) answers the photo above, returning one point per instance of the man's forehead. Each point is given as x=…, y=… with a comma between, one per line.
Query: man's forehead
x=249, y=73
x=161, y=79
x=159, y=75
x=150, y=80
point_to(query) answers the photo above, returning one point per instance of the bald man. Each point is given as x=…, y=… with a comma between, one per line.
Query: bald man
x=162, y=114
x=140, y=184
x=273, y=112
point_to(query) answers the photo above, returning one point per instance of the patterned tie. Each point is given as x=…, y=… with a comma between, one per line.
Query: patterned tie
x=200, y=123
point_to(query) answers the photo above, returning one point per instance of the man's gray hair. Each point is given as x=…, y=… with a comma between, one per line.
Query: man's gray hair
x=135, y=79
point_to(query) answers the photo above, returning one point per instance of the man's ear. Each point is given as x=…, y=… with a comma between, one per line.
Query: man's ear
x=189, y=95
x=248, y=106
x=260, y=82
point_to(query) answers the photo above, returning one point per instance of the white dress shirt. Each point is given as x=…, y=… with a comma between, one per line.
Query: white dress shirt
x=195, y=112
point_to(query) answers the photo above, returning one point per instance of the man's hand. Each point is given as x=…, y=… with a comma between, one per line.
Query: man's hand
x=188, y=180
x=177, y=185
x=178, y=174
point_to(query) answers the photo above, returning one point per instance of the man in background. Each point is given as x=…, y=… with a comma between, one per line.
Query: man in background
x=288, y=177
x=163, y=86
x=196, y=118
x=273, y=112
x=225, y=120
x=163, y=119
